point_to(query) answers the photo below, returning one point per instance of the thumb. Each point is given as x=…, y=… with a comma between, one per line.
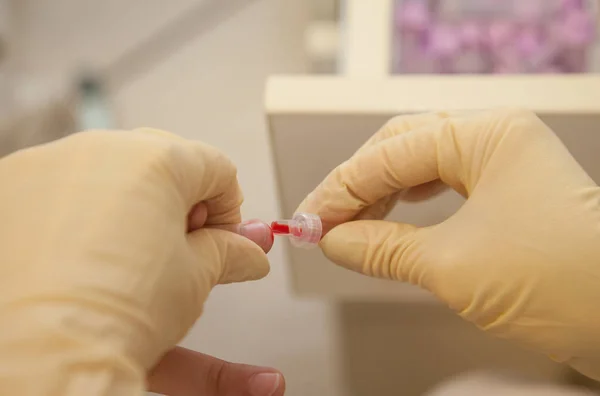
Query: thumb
x=381, y=249
x=183, y=372
x=228, y=256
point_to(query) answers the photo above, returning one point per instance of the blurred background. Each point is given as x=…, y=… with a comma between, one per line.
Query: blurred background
x=198, y=68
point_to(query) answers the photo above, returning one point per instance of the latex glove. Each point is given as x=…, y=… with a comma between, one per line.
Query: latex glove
x=520, y=259
x=99, y=276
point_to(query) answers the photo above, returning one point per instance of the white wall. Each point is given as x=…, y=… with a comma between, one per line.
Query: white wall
x=211, y=89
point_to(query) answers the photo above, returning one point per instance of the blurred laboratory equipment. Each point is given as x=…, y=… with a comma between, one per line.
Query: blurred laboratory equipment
x=34, y=110
x=493, y=36
x=93, y=109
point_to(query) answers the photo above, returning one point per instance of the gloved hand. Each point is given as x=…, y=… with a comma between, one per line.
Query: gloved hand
x=521, y=257
x=103, y=264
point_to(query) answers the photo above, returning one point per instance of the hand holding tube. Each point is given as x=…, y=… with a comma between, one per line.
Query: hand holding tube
x=110, y=243
x=521, y=257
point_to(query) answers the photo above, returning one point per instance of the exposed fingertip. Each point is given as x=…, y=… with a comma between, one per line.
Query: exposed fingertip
x=265, y=384
x=197, y=216
x=259, y=232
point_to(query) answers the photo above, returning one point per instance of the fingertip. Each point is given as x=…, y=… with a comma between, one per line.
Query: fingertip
x=332, y=246
x=234, y=257
x=335, y=246
x=185, y=372
x=357, y=245
x=376, y=248
x=282, y=386
x=266, y=384
x=259, y=232
x=247, y=261
x=197, y=216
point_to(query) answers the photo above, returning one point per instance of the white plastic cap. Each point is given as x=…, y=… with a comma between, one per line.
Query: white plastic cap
x=305, y=230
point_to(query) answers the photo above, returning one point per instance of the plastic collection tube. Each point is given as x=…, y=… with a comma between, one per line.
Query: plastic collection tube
x=304, y=229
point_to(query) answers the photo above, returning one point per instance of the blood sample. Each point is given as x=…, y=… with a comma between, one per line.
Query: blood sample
x=303, y=230
x=280, y=228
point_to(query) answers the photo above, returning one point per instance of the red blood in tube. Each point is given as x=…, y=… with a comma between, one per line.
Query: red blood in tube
x=280, y=228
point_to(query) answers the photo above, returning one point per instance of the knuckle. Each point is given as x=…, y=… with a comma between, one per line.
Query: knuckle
x=216, y=379
x=406, y=122
x=518, y=116
x=159, y=157
x=213, y=157
x=502, y=123
x=515, y=112
x=521, y=122
x=157, y=132
x=391, y=127
x=395, y=120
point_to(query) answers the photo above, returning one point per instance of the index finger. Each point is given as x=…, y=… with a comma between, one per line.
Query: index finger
x=402, y=124
x=201, y=173
x=405, y=157
x=319, y=201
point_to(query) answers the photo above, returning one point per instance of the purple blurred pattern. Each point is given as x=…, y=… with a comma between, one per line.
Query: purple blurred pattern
x=505, y=36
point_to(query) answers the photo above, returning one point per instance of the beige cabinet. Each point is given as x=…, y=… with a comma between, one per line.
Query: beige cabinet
x=317, y=122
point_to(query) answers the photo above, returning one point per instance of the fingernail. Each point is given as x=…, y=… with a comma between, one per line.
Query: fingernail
x=258, y=232
x=264, y=384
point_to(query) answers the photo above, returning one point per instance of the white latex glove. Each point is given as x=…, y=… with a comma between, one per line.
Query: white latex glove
x=99, y=274
x=520, y=259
